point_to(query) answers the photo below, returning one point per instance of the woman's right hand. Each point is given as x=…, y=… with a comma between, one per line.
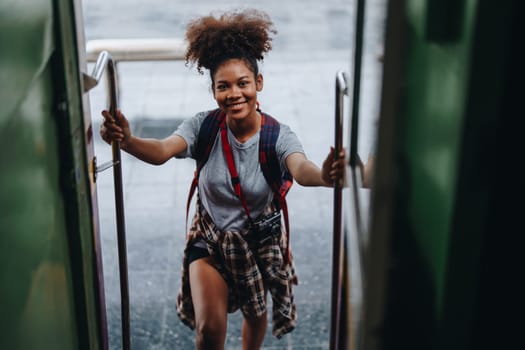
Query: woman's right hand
x=115, y=128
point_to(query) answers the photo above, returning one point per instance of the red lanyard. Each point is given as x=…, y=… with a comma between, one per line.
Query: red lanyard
x=228, y=154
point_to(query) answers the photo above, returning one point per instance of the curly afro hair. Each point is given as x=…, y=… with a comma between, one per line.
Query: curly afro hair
x=242, y=34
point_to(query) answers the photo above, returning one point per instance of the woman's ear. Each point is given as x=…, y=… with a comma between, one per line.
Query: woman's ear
x=259, y=82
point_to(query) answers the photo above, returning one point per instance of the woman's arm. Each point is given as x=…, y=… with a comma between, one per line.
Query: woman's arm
x=306, y=173
x=152, y=151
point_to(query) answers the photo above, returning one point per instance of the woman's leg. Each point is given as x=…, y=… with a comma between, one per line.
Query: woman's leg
x=209, y=293
x=253, y=331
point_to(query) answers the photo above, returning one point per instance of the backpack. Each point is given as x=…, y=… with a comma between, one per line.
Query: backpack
x=279, y=181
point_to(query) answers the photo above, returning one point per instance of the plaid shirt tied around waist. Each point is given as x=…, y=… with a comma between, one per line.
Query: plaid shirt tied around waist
x=247, y=269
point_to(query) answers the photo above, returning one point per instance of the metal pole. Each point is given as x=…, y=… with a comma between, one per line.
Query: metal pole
x=356, y=91
x=119, y=207
x=337, y=244
x=357, y=237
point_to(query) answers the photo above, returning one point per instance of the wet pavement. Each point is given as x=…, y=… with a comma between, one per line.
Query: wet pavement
x=313, y=43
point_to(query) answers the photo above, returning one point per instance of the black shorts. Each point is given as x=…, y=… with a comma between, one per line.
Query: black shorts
x=197, y=251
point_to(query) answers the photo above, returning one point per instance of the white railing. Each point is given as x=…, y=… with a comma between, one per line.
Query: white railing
x=167, y=49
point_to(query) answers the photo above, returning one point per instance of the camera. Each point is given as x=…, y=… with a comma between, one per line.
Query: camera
x=265, y=227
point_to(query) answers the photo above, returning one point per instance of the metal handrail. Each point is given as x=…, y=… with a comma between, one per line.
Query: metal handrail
x=355, y=238
x=341, y=89
x=154, y=49
x=123, y=50
x=135, y=50
x=106, y=62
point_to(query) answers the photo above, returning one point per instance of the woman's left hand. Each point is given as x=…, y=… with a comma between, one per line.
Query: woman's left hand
x=333, y=167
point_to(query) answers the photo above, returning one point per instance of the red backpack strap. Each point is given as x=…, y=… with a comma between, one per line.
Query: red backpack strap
x=205, y=140
x=279, y=181
x=228, y=154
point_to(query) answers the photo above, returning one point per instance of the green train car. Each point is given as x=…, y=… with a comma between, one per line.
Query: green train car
x=51, y=292
x=434, y=264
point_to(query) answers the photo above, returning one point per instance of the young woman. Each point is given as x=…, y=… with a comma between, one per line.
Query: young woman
x=225, y=267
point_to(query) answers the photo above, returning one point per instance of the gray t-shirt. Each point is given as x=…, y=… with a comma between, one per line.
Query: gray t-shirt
x=215, y=188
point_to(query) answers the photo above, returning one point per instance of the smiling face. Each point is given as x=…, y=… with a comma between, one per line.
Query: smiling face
x=235, y=88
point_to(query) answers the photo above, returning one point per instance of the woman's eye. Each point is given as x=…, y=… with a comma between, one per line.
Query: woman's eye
x=243, y=83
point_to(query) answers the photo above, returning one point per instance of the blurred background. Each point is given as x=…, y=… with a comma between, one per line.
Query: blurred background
x=314, y=41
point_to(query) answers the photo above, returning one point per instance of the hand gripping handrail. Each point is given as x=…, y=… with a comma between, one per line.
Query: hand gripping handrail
x=105, y=62
x=341, y=89
x=353, y=240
